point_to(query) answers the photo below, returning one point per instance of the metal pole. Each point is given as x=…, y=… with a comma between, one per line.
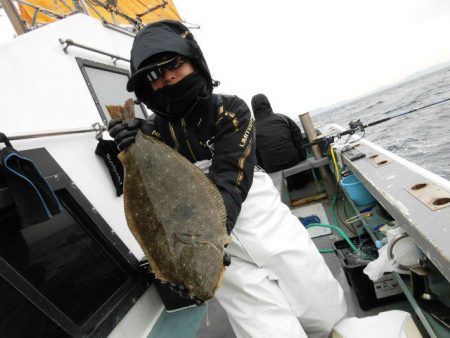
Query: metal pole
x=97, y=127
x=117, y=28
x=41, y=10
x=311, y=134
x=69, y=42
x=85, y=7
x=14, y=17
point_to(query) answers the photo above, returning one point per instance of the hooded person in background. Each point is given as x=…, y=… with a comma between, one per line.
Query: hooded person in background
x=277, y=277
x=278, y=142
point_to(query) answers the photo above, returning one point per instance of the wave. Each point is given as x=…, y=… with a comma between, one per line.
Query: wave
x=421, y=136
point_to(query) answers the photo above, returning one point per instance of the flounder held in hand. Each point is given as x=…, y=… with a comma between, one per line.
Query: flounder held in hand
x=176, y=214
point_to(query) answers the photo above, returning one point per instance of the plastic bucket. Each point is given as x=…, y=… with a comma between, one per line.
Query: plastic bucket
x=357, y=191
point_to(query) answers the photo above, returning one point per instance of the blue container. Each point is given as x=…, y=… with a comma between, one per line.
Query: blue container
x=357, y=191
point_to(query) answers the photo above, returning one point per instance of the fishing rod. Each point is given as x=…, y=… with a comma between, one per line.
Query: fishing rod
x=356, y=126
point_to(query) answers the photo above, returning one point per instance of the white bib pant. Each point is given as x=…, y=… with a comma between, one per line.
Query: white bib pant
x=278, y=284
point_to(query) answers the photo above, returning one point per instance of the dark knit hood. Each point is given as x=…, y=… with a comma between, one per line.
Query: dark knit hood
x=261, y=106
x=166, y=36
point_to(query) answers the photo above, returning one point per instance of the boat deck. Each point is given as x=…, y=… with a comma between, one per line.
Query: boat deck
x=216, y=324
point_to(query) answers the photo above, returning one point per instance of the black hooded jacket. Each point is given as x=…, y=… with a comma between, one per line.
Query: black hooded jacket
x=223, y=121
x=278, y=139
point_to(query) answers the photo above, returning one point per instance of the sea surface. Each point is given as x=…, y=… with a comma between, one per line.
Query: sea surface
x=421, y=137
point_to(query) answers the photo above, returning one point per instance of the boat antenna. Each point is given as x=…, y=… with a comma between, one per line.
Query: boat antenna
x=357, y=125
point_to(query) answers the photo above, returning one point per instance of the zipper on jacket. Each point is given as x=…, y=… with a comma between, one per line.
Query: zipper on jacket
x=172, y=133
x=183, y=124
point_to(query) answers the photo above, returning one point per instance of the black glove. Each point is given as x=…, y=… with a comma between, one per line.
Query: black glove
x=124, y=134
x=181, y=291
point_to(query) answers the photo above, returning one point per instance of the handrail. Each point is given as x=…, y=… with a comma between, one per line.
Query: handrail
x=69, y=42
x=97, y=127
x=309, y=163
x=118, y=28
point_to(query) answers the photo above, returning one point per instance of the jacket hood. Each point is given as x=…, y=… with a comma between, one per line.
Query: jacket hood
x=261, y=106
x=165, y=36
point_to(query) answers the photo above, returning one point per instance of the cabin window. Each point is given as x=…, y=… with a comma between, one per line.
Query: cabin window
x=20, y=318
x=68, y=276
x=107, y=85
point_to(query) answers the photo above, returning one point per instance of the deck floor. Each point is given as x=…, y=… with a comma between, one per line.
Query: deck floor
x=217, y=325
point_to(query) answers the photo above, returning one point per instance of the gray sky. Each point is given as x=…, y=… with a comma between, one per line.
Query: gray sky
x=309, y=54
x=6, y=31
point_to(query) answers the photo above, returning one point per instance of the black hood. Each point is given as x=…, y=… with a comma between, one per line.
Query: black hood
x=164, y=36
x=261, y=106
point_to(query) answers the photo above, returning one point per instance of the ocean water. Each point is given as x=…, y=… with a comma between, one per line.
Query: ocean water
x=421, y=137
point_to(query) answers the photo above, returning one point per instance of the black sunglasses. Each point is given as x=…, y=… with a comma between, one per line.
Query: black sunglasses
x=170, y=64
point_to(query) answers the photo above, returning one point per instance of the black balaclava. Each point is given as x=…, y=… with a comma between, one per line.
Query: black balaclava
x=261, y=106
x=178, y=100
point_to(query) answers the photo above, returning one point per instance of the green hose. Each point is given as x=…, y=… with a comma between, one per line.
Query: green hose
x=333, y=205
x=344, y=236
x=327, y=251
x=339, y=230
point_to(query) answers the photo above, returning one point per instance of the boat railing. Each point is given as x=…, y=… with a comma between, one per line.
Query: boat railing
x=96, y=127
x=68, y=42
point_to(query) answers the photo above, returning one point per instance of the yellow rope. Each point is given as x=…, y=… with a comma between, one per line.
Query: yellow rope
x=336, y=167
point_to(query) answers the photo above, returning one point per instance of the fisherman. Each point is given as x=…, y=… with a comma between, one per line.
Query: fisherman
x=278, y=284
x=278, y=142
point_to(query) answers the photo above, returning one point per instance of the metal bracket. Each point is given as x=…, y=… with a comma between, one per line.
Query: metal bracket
x=99, y=129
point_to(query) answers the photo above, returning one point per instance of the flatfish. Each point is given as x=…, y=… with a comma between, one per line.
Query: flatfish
x=176, y=214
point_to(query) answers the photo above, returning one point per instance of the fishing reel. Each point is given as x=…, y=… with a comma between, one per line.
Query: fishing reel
x=356, y=126
x=327, y=141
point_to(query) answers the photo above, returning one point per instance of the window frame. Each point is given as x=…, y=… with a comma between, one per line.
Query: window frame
x=83, y=63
